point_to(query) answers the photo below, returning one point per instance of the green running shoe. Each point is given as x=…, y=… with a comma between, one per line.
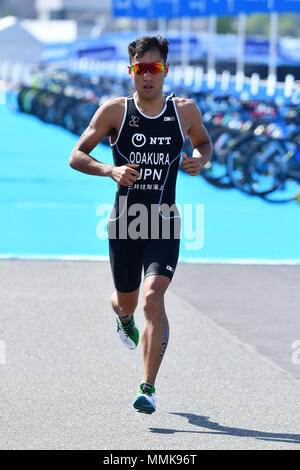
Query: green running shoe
x=128, y=334
x=145, y=400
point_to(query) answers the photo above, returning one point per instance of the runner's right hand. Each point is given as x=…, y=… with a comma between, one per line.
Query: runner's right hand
x=125, y=174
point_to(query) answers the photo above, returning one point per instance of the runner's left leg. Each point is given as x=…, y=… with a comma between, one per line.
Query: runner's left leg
x=155, y=334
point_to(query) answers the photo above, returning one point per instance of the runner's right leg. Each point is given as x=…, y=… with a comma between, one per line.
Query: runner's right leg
x=124, y=305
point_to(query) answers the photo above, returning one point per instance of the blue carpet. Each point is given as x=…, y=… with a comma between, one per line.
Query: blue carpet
x=49, y=210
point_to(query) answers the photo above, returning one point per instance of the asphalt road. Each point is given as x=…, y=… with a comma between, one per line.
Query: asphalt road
x=225, y=382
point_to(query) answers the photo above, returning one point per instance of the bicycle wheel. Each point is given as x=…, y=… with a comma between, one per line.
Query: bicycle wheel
x=215, y=171
x=287, y=176
x=252, y=164
x=289, y=191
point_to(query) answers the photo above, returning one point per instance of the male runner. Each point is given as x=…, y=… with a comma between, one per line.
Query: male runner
x=146, y=132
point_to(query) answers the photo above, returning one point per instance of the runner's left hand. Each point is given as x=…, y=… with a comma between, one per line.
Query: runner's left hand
x=191, y=165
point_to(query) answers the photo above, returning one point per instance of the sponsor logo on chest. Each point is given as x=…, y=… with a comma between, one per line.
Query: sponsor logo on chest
x=139, y=140
x=169, y=118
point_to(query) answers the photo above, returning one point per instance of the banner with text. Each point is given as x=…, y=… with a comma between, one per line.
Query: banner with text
x=193, y=8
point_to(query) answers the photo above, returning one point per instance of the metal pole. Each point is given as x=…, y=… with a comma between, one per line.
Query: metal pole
x=273, y=43
x=211, y=56
x=185, y=47
x=142, y=22
x=240, y=63
x=162, y=25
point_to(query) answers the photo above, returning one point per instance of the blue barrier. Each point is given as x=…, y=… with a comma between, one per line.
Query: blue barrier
x=195, y=79
x=113, y=47
x=194, y=8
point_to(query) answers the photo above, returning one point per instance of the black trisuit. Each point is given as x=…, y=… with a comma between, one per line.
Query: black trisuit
x=155, y=144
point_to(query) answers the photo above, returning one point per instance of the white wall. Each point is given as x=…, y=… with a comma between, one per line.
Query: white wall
x=83, y=5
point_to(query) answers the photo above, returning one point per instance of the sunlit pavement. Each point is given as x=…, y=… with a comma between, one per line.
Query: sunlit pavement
x=68, y=382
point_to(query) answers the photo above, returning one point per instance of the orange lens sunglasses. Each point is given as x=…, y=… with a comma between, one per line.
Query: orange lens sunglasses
x=141, y=69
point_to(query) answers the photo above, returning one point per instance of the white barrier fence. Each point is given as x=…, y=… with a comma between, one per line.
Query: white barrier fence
x=191, y=77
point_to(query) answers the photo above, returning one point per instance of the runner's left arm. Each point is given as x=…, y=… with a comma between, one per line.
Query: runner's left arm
x=200, y=140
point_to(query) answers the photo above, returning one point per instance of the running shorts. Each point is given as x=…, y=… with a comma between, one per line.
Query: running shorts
x=128, y=257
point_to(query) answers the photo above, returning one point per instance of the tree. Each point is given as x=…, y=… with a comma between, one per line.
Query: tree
x=259, y=24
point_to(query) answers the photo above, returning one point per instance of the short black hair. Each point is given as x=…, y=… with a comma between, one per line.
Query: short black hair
x=140, y=46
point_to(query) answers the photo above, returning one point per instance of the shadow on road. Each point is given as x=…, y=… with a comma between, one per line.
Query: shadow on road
x=203, y=422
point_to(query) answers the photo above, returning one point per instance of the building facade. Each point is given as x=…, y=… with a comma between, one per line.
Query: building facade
x=21, y=9
x=79, y=10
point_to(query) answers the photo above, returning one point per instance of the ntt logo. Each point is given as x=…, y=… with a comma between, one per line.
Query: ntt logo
x=138, y=140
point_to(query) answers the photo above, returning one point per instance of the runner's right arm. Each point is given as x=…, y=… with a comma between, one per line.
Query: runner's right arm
x=104, y=123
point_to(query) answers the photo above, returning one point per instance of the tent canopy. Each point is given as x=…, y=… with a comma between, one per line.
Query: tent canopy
x=17, y=44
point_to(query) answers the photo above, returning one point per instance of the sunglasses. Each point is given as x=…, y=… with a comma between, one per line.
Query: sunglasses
x=141, y=69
